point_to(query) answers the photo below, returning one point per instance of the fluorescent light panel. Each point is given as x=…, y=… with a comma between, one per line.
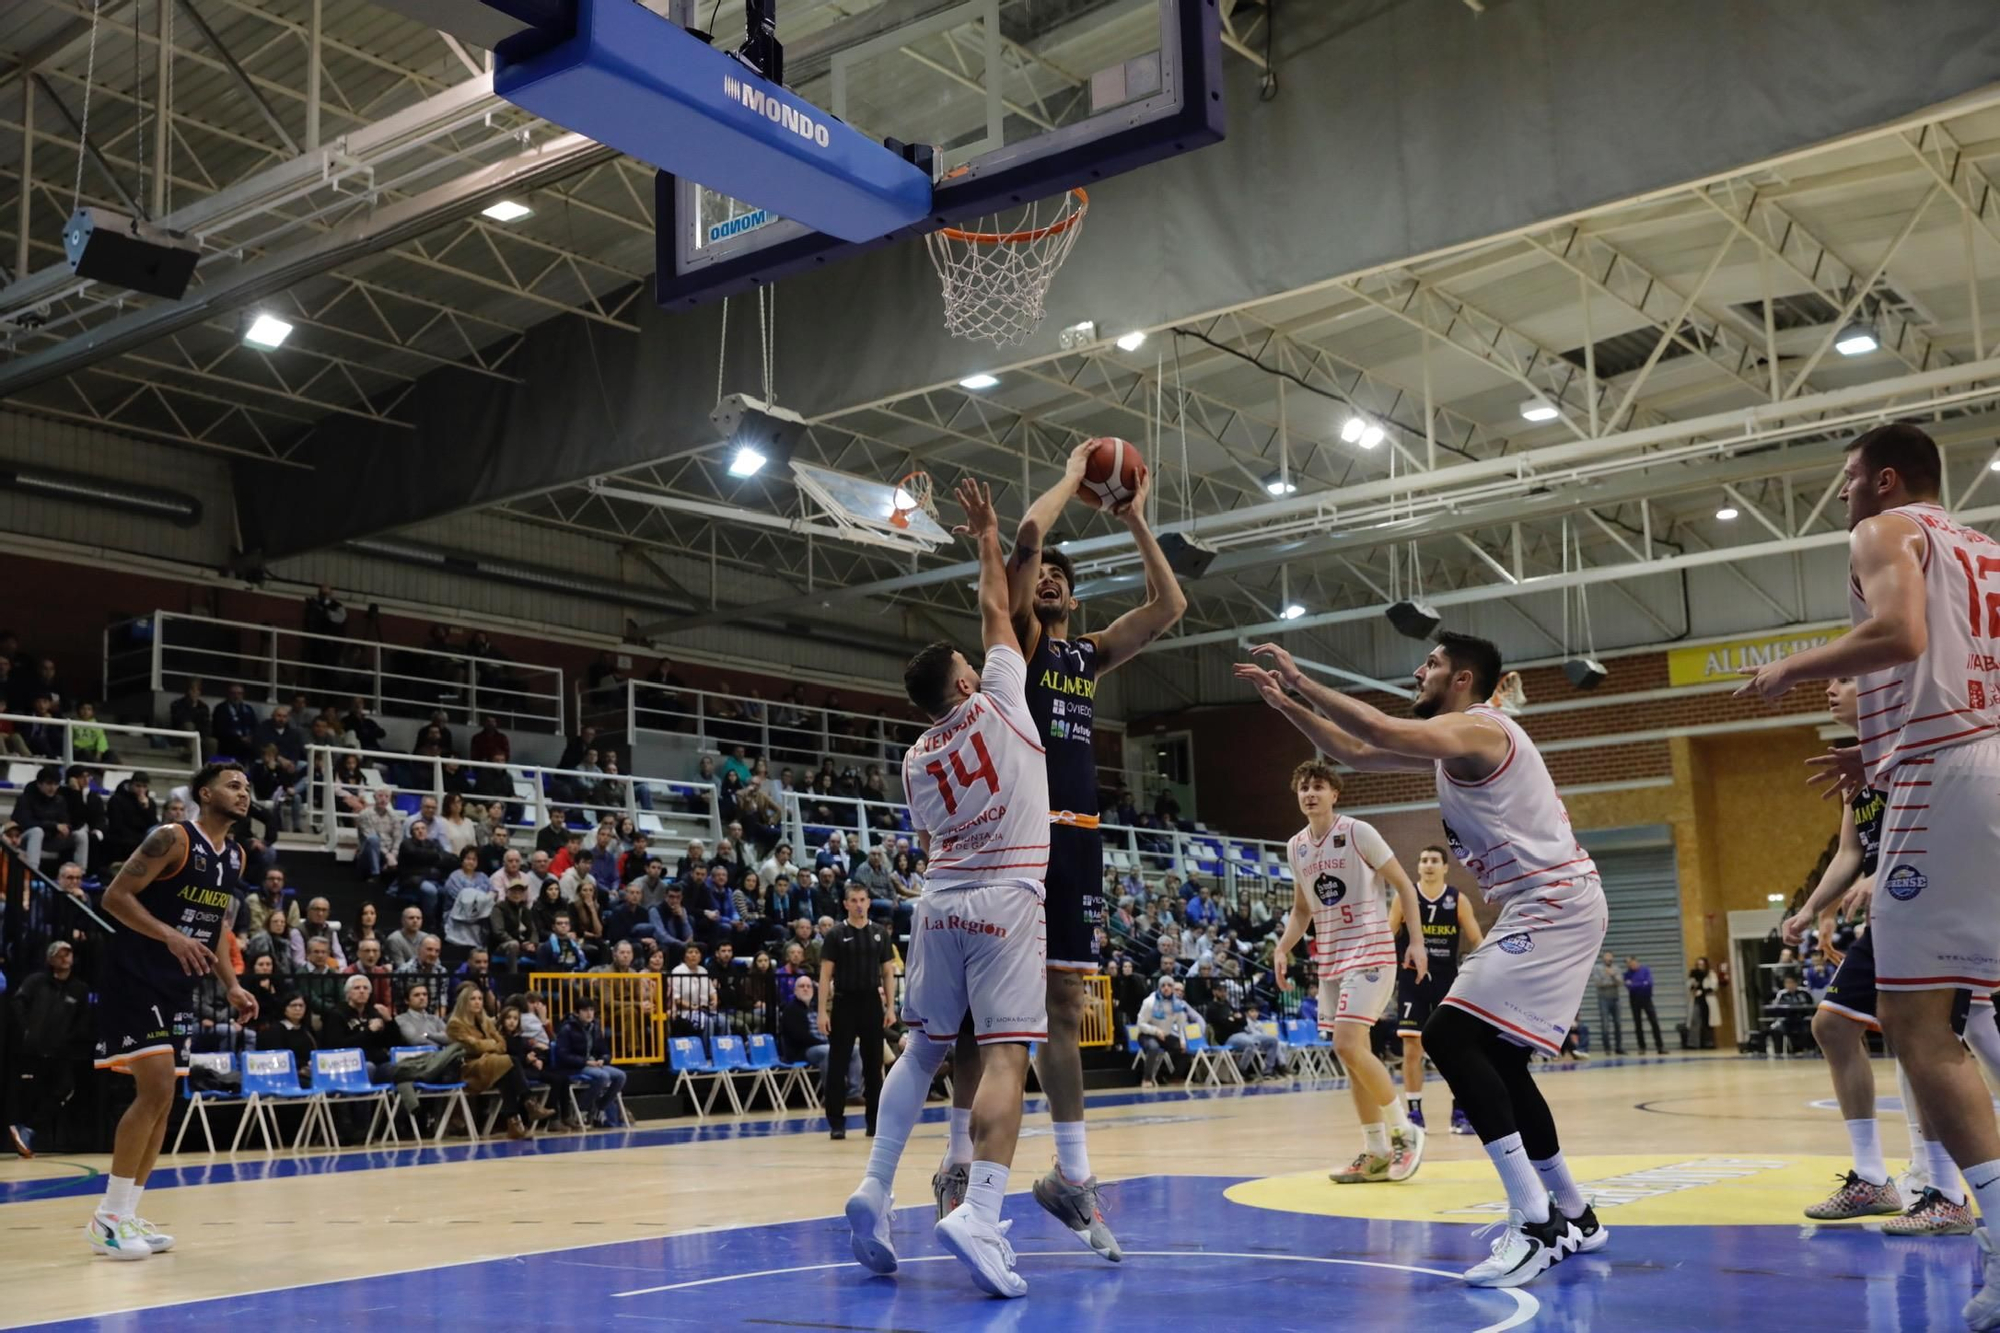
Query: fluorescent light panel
x=1292, y=612
x=268, y=332
x=979, y=381
x=1132, y=341
x=506, y=210
x=1539, y=409
x=747, y=463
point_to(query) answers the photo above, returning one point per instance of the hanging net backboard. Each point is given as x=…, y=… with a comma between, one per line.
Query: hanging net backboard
x=996, y=279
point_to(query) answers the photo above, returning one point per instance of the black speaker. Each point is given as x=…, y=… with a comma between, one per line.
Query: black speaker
x=109, y=247
x=1187, y=556
x=1415, y=619
x=1586, y=673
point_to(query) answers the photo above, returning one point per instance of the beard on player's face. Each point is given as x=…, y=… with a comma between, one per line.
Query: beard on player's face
x=1052, y=610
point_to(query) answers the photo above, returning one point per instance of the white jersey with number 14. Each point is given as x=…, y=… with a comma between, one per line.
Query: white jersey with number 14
x=978, y=784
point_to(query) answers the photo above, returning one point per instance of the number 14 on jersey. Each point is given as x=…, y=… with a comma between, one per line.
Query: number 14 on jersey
x=965, y=778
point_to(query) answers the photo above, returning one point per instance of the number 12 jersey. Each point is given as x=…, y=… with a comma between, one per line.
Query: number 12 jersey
x=978, y=784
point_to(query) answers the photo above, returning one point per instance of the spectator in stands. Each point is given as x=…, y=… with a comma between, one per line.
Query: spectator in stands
x=315, y=927
x=790, y=900
x=86, y=811
x=511, y=928
x=276, y=785
x=729, y=855
x=360, y=723
x=1639, y=989
x=42, y=811
x=571, y=854
x=401, y=946
x=561, y=951
x=477, y=970
x=730, y=975
x=87, y=741
x=490, y=744
x=419, y=1024
x=716, y=920
x=808, y=940
x=758, y=921
x=582, y=1055
x=696, y=797
x=360, y=1023
x=695, y=1000
x=269, y=895
x=429, y=960
x=873, y=875
x=455, y=829
x=652, y=881
x=380, y=829
x=467, y=876
x=547, y=903
x=586, y=916
x=629, y=920
x=553, y=836
x=43, y=738
x=350, y=785
x=673, y=926
x=779, y=862
x=1162, y=1023
x=279, y=730
x=761, y=815
x=473, y=898
x=833, y=855
x=420, y=869
x=488, y=1067
x=638, y=854
x=881, y=807
x=284, y=1027
x=190, y=711
x=315, y=981
x=53, y=1017
x=365, y=928
x=826, y=892
x=511, y=873
x=368, y=960
x=538, y=866
x=492, y=853
x=603, y=862
x=273, y=939
x=1202, y=909
x=572, y=755
x=799, y=1036
x=794, y=966
x=693, y=865
x=235, y=727
x=43, y=684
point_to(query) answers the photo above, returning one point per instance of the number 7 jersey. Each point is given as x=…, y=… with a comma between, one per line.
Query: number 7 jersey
x=1947, y=696
x=978, y=784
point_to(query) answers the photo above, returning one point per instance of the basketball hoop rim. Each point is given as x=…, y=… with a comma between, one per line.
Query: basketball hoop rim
x=1080, y=206
x=920, y=498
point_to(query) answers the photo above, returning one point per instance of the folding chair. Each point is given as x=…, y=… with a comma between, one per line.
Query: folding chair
x=270, y=1079
x=781, y=1078
x=199, y=1100
x=729, y=1060
x=1210, y=1064
x=688, y=1059
x=342, y=1076
x=452, y=1094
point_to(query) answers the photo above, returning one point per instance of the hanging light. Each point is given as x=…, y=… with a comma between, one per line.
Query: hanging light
x=980, y=381
x=506, y=210
x=748, y=462
x=1727, y=513
x=268, y=332
x=1291, y=612
x=1351, y=429
x=1539, y=409
x=1857, y=339
x=1132, y=341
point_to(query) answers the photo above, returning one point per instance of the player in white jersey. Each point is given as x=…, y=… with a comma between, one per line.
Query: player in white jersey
x=1522, y=986
x=1925, y=593
x=1338, y=865
x=979, y=797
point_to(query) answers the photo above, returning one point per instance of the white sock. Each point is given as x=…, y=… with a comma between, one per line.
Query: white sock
x=1867, y=1143
x=121, y=1196
x=1375, y=1139
x=985, y=1187
x=1944, y=1172
x=1525, y=1192
x=902, y=1102
x=1072, y=1157
x=1985, y=1182
x=138, y=1193
x=958, y=1149
x=1911, y=1118
x=1397, y=1112
x=1556, y=1178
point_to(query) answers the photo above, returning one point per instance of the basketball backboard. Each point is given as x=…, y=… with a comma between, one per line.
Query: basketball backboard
x=863, y=507
x=1021, y=99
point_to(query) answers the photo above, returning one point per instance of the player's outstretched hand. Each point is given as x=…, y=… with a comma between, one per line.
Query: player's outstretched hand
x=1280, y=662
x=194, y=957
x=1838, y=772
x=1417, y=956
x=1795, y=928
x=977, y=502
x=1770, y=682
x=1077, y=464
x=244, y=1003
x=1134, y=509
x=1266, y=684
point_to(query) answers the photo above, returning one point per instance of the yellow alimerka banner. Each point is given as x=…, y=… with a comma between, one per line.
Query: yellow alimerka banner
x=1715, y=662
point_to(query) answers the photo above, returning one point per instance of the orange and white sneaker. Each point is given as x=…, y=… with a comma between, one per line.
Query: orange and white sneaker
x=1857, y=1198
x=117, y=1237
x=1406, y=1151
x=1367, y=1168
x=1932, y=1215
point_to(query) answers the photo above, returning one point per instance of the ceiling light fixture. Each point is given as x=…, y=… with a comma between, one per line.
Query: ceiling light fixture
x=1292, y=612
x=1539, y=409
x=1726, y=513
x=1132, y=341
x=1280, y=485
x=748, y=462
x=1857, y=339
x=268, y=332
x=506, y=210
x=980, y=381
x=1372, y=436
x=1350, y=430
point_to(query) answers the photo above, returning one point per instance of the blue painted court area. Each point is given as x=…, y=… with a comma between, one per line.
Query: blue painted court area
x=1192, y=1257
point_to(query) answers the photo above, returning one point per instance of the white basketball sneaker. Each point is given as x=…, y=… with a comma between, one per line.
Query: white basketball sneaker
x=117, y=1238
x=982, y=1247
x=158, y=1241
x=1522, y=1251
x=868, y=1211
x=1982, y=1312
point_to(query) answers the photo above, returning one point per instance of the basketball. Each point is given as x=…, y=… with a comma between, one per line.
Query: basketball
x=1112, y=475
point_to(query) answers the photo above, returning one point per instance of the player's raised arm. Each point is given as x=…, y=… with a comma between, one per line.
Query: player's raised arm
x=160, y=854
x=1445, y=736
x=1326, y=738
x=1165, y=603
x=1886, y=554
x=1025, y=560
x=996, y=623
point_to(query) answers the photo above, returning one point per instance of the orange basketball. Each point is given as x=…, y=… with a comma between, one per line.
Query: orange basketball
x=1112, y=475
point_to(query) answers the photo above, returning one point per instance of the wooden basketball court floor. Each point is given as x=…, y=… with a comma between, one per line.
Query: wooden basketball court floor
x=1700, y=1164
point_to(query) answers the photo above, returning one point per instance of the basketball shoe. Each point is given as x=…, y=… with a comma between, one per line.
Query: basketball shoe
x=1460, y=1123
x=868, y=1211
x=948, y=1187
x=117, y=1237
x=1586, y=1234
x=1417, y=1115
x=1522, y=1250
x=1857, y=1198
x=982, y=1247
x=1406, y=1151
x=1931, y=1215
x=1366, y=1169
x=1075, y=1205
x=1982, y=1312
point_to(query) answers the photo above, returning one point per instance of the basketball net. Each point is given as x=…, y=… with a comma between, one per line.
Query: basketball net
x=1510, y=696
x=913, y=492
x=996, y=280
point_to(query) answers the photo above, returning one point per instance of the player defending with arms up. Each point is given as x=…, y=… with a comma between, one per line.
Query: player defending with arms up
x=1338, y=865
x=1063, y=673
x=1446, y=921
x=1520, y=989
x=1925, y=651
x=173, y=898
x=979, y=798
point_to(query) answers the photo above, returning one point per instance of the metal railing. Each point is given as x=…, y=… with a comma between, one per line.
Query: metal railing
x=163, y=650
x=527, y=791
x=153, y=748
x=630, y=1008
x=789, y=735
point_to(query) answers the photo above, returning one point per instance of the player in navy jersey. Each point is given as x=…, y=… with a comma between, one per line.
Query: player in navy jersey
x=173, y=900
x=1063, y=674
x=1450, y=927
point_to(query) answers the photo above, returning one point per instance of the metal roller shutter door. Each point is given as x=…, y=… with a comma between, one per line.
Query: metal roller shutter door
x=1643, y=892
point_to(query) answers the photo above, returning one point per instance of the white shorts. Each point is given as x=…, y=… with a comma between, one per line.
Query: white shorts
x=1528, y=976
x=983, y=949
x=1356, y=996
x=1935, y=916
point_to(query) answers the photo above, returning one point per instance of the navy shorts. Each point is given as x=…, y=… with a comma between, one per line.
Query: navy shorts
x=1074, y=896
x=139, y=1017
x=1851, y=993
x=1415, y=1000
